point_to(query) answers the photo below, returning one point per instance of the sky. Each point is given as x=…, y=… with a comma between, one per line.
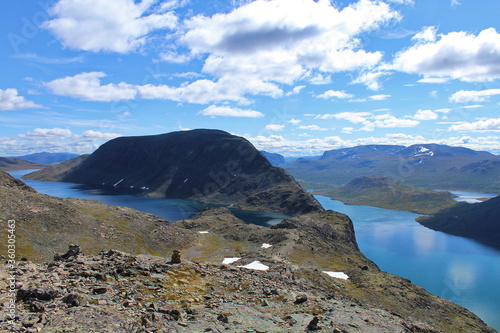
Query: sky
x=296, y=77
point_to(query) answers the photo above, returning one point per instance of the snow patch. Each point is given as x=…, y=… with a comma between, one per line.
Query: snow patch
x=266, y=246
x=228, y=261
x=118, y=182
x=185, y=180
x=337, y=275
x=422, y=151
x=203, y=232
x=256, y=265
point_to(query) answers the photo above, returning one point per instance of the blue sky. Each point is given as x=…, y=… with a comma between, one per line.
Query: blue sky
x=296, y=77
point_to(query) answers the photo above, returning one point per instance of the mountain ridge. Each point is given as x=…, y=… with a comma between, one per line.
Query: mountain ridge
x=431, y=166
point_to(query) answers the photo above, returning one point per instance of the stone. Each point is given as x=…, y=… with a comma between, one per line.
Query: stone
x=176, y=257
x=313, y=324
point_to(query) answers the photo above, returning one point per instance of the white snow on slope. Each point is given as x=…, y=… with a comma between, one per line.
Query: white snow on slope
x=256, y=265
x=338, y=275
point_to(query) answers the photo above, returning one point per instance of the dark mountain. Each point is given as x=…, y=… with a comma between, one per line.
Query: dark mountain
x=47, y=158
x=479, y=221
x=427, y=165
x=206, y=165
x=274, y=159
x=9, y=163
x=388, y=193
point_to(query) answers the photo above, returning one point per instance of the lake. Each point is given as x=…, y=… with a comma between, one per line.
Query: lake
x=455, y=268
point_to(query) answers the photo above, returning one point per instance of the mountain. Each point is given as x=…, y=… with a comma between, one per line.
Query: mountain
x=9, y=163
x=47, y=158
x=171, y=277
x=274, y=159
x=211, y=166
x=388, y=193
x=56, y=171
x=479, y=221
x=426, y=165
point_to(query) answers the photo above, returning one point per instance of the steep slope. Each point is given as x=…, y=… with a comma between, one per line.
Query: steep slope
x=480, y=221
x=9, y=163
x=388, y=193
x=46, y=224
x=425, y=165
x=206, y=165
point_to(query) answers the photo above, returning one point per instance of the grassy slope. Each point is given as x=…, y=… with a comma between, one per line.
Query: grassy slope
x=390, y=194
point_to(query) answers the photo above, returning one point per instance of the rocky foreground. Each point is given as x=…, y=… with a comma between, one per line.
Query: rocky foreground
x=171, y=277
x=119, y=292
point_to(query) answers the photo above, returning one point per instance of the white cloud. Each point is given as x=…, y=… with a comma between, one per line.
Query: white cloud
x=313, y=128
x=111, y=26
x=456, y=55
x=486, y=125
x=353, y=117
x=226, y=111
x=320, y=79
x=54, y=140
x=87, y=86
x=434, y=80
x=371, y=79
x=296, y=90
x=425, y=115
x=474, y=106
x=287, y=40
x=379, y=97
x=464, y=96
x=428, y=34
x=275, y=127
x=294, y=121
x=332, y=94
x=387, y=121
x=10, y=100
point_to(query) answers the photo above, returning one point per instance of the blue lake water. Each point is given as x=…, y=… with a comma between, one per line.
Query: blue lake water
x=455, y=268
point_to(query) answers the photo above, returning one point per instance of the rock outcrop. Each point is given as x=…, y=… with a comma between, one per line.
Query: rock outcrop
x=206, y=165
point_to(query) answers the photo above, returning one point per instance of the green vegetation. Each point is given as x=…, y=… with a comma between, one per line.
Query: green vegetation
x=390, y=194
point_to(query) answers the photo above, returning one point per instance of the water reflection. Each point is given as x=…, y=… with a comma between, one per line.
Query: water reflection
x=455, y=268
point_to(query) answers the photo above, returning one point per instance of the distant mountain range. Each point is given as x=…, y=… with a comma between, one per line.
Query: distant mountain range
x=479, y=221
x=211, y=166
x=388, y=193
x=274, y=159
x=47, y=158
x=9, y=164
x=427, y=165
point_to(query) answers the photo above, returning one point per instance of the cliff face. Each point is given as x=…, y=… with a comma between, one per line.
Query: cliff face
x=206, y=165
x=480, y=221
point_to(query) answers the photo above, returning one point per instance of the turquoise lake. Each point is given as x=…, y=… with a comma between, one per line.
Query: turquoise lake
x=455, y=268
